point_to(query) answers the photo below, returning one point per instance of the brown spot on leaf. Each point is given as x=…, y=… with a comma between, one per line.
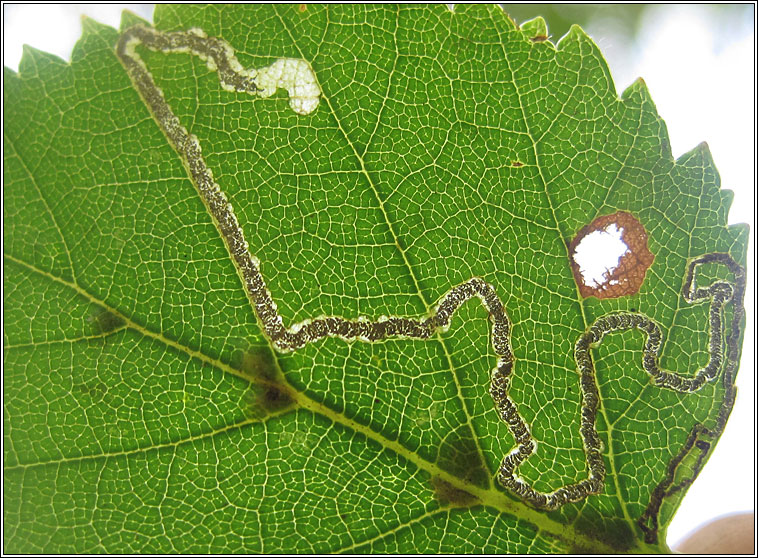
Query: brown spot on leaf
x=611, y=532
x=302, y=8
x=517, y=164
x=257, y=363
x=627, y=277
x=447, y=494
x=268, y=393
x=261, y=401
x=460, y=456
x=538, y=38
x=275, y=398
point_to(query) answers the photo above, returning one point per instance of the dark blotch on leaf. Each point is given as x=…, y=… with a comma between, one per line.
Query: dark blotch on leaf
x=614, y=533
x=517, y=164
x=538, y=38
x=257, y=363
x=447, y=494
x=105, y=321
x=459, y=455
x=268, y=393
x=275, y=398
x=262, y=400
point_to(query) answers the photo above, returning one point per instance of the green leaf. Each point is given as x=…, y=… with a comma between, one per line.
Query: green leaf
x=152, y=405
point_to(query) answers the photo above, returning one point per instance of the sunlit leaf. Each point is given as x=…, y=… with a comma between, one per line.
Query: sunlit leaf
x=153, y=401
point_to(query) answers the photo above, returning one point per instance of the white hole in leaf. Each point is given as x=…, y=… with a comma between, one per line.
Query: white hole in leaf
x=598, y=255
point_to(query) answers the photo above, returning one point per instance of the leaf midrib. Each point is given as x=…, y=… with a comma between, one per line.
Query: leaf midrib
x=495, y=497
x=489, y=497
x=438, y=336
x=609, y=428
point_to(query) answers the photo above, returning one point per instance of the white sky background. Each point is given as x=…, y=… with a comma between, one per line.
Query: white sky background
x=700, y=69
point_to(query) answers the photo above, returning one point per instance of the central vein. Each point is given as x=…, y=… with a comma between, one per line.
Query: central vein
x=297, y=78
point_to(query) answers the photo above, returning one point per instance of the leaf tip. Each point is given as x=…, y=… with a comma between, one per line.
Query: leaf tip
x=705, y=150
x=89, y=25
x=575, y=35
x=700, y=155
x=638, y=87
x=91, y=29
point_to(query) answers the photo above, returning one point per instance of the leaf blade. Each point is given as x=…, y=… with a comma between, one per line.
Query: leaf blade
x=528, y=285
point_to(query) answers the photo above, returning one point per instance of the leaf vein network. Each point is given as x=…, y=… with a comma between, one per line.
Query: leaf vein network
x=220, y=56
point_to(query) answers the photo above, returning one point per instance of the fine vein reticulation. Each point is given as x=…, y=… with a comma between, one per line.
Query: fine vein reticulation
x=219, y=56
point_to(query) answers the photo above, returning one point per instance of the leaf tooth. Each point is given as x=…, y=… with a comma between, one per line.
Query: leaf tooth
x=638, y=88
x=33, y=60
x=130, y=19
x=577, y=42
x=575, y=36
x=92, y=30
x=698, y=156
x=536, y=27
x=726, y=198
x=638, y=96
x=93, y=27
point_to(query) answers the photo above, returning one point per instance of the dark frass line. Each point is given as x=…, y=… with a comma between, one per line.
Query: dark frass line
x=297, y=77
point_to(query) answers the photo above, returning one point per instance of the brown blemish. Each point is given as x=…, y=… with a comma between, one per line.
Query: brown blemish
x=257, y=363
x=517, y=164
x=615, y=533
x=268, y=393
x=627, y=277
x=538, y=38
x=302, y=8
x=447, y=494
x=261, y=400
x=275, y=398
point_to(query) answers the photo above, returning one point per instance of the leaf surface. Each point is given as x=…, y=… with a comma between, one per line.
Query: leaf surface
x=147, y=410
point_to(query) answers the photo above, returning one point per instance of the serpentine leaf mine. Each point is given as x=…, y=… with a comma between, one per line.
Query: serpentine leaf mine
x=297, y=77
